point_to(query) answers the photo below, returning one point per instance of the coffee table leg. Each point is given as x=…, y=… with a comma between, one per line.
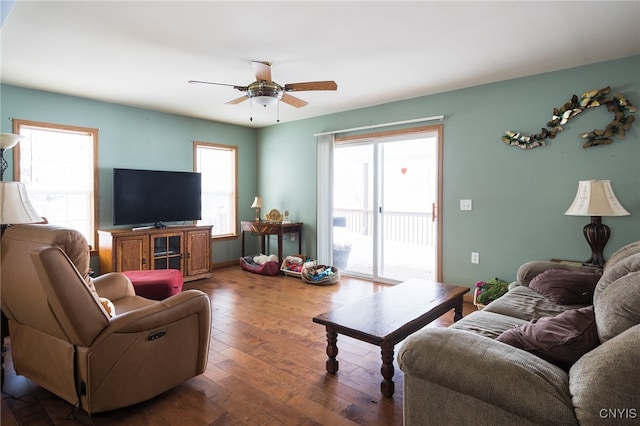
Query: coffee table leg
x=332, y=350
x=387, y=387
x=457, y=310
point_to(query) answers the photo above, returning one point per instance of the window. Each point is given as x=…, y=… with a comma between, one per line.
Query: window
x=58, y=164
x=218, y=165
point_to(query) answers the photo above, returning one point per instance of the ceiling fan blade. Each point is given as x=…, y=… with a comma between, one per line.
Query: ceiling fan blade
x=293, y=101
x=238, y=100
x=262, y=70
x=235, y=86
x=311, y=85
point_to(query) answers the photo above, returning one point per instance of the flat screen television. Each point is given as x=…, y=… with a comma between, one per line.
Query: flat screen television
x=142, y=197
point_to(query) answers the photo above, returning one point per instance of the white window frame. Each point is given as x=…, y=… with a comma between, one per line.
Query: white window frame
x=218, y=215
x=22, y=162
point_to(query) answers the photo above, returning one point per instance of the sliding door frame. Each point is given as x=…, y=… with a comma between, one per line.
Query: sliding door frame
x=438, y=129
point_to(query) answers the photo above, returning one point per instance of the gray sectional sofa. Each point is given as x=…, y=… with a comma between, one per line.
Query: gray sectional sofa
x=467, y=374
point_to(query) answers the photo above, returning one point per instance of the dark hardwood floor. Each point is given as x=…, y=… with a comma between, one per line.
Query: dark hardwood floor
x=266, y=365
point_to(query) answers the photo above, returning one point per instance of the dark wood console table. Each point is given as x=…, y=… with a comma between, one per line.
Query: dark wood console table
x=271, y=228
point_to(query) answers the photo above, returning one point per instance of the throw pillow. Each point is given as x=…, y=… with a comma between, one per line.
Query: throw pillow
x=561, y=339
x=566, y=287
x=108, y=306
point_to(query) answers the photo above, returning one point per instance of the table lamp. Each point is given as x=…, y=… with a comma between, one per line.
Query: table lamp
x=257, y=204
x=7, y=141
x=15, y=207
x=595, y=198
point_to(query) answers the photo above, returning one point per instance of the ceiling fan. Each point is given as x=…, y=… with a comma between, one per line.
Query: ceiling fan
x=265, y=91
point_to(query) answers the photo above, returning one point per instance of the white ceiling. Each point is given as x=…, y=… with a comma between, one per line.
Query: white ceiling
x=142, y=53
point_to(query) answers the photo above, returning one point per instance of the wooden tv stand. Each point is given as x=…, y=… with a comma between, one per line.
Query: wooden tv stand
x=186, y=248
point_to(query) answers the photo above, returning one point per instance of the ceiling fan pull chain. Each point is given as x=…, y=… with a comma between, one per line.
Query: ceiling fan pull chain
x=250, y=110
x=278, y=111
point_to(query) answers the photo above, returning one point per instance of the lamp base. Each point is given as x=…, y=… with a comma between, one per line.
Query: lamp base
x=257, y=214
x=3, y=164
x=597, y=234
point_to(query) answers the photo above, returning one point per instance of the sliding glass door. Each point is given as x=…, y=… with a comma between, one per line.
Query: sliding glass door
x=385, y=197
x=353, y=205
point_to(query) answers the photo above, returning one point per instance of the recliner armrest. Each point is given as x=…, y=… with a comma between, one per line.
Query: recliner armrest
x=157, y=316
x=114, y=286
x=162, y=312
x=154, y=345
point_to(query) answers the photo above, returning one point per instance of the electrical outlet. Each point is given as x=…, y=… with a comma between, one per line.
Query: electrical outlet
x=293, y=236
x=475, y=257
x=465, y=205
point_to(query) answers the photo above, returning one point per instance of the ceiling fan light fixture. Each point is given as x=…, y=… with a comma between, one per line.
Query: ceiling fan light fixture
x=264, y=93
x=264, y=101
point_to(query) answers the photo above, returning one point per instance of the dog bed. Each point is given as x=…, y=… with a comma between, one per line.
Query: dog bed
x=321, y=275
x=267, y=268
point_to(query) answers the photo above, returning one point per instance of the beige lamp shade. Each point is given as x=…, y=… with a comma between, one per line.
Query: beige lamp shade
x=257, y=203
x=15, y=207
x=9, y=140
x=595, y=198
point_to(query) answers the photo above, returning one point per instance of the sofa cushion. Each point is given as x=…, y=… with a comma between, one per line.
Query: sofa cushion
x=528, y=271
x=617, y=297
x=561, y=339
x=566, y=287
x=526, y=304
x=486, y=323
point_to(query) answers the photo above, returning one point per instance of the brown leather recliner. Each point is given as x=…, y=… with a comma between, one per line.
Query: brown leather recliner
x=63, y=338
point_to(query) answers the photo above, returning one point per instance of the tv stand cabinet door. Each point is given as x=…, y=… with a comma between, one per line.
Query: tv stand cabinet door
x=167, y=250
x=132, y=253
x=198, y=264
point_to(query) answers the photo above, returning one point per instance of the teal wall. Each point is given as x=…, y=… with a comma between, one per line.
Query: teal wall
x=137, y=138
x=519, y=197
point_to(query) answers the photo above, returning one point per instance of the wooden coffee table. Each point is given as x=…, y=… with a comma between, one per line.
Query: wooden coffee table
x=387, y=317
